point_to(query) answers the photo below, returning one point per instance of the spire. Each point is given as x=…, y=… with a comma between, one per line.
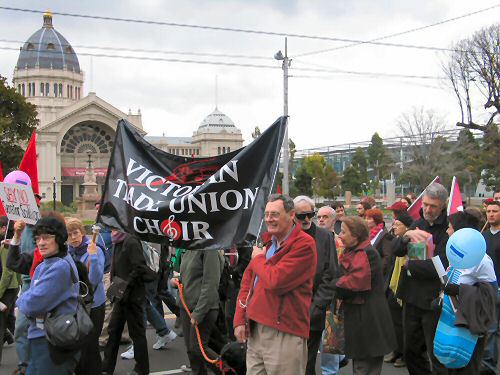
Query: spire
x=47, y=19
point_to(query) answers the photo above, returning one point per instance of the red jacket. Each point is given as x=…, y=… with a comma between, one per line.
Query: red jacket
x=282, y=297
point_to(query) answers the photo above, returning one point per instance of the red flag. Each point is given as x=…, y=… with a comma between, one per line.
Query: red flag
x=414, y=209
x=455, y=200
x=29, y=165
x=2, y=210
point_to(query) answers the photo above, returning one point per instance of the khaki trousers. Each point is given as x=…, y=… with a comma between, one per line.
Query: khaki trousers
x=273, y=352
x=103, y=339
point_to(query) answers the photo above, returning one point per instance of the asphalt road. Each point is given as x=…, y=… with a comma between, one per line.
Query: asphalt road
x=162, y=362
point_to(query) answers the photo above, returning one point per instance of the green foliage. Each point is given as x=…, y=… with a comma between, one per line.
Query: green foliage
x=315, y=177
x=490, y=158
x=355, y=178
x=17, y=122
x=379, y=158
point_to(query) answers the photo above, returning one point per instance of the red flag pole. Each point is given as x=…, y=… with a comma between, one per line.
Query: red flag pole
x=414, y=209
x=29, y=163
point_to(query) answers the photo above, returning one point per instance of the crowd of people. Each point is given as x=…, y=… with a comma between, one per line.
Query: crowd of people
x=268, y=301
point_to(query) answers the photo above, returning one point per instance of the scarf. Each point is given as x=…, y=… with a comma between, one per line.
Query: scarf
x=80, y=250
x=37, y=259
x=118, y=237
x=375, y=230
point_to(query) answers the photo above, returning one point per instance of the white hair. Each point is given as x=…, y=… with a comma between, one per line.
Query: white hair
x=304, y=198
x=331, y=211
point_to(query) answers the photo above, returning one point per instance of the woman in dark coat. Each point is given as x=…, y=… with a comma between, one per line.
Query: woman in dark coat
x=360, y=290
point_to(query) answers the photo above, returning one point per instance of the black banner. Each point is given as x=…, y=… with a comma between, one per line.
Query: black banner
x=198, y=203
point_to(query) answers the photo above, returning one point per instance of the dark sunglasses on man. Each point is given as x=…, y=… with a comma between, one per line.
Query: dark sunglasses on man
x=302, y=216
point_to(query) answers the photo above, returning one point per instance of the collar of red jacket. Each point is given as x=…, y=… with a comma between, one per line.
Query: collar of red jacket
x=360, y=246
x=267, y=237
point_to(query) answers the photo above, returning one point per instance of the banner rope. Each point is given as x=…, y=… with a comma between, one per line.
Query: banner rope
x=217, y=361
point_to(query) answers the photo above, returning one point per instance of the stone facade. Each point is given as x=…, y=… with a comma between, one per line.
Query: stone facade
x=72, y=125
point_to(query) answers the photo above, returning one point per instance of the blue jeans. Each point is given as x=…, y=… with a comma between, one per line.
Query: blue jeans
x=151, y=313
x=21, y=333
x=330, y=363
x=41, y=363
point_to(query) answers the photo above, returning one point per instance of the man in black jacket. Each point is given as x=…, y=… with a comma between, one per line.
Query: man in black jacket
x=128, y=263
x=322, y=289
x=420, y=285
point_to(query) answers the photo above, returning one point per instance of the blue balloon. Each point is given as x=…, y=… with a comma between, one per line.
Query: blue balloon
x=465, y=248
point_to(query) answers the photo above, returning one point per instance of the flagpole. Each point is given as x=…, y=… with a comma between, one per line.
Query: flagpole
x=422, y=193
x=450, y=198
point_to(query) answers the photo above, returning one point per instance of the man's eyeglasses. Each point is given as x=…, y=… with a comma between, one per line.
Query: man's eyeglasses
x=45, y=237
x=303, y=215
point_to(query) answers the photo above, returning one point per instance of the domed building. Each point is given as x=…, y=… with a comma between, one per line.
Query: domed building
x=74, y=127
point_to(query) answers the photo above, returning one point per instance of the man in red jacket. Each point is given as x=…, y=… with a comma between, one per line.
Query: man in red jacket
x=272, y=312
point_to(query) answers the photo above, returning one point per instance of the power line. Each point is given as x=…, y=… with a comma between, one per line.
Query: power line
x=150, y=58
x=229, y=29
x=166, y=52
x=328, y=77
x=245, y=65
x=398, y=33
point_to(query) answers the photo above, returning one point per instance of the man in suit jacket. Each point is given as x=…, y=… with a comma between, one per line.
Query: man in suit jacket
x=322, y=290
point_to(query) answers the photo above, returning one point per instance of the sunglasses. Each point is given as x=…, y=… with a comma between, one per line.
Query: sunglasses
x=303, y=215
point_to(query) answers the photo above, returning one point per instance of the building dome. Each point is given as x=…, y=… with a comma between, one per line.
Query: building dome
x=217, y=122
x=48, y=49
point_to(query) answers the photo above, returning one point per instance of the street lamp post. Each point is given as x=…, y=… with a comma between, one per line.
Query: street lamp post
x=54, y=192
x=285, y=66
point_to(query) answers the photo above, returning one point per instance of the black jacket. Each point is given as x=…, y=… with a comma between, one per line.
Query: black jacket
x=322, y=287
x=129, y=264
x=367, y=326
x=493, y=249
x=421, y=284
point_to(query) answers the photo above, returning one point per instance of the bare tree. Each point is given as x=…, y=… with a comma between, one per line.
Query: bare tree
x=473, y=71
x=420, y=129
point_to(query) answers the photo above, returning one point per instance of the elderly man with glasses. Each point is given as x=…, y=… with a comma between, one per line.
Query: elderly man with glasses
x=326, y=266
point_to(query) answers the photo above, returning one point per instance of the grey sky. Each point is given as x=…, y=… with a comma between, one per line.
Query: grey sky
x=175, y=97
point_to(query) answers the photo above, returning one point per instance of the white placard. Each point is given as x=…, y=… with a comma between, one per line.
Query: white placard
x=19, y=202
x=438, y=265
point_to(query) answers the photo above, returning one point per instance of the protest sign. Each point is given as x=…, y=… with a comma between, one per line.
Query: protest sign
x=196, y=203
x=19, y=202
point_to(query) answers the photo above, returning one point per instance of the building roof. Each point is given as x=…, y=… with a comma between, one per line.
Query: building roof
x=217, y=122
x=48, y=49
x=173, y=141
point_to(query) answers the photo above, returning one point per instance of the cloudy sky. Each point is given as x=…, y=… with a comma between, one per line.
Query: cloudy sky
x=326, y=108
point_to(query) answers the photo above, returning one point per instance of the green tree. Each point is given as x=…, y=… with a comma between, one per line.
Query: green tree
x=17, y=122
x=315, y=177
x=465, y=161
x=355, y=176
x=490, y=156
x=379, y=158
x=302, y=182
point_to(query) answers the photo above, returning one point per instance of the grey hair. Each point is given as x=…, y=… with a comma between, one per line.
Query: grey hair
x=436, y=191
x=304, y=198
x=329, y=208
x=287, y=201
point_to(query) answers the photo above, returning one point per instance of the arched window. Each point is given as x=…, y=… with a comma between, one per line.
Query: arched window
x=47, y=89
x=29, y=89
x=60, y=90
x=33, y=90
x=55, y=90
x=23, y=88
x=19, y=88
x=42, y=89
x=30, y=47
x=223, y=150
x=218, y=150
x=197, y=152
x=229, y=149
x=51, y=46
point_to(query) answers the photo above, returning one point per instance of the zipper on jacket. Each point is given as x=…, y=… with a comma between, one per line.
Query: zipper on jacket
x=280, y=307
